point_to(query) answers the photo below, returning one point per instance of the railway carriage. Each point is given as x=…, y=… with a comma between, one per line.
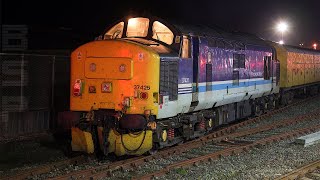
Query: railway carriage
x=299, y=71
x=145, y=84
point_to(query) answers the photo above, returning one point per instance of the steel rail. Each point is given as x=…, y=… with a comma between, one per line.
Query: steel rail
x=301, y=171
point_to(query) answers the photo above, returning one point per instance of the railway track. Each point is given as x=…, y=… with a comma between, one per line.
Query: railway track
x=221, y=136
x=307, y=172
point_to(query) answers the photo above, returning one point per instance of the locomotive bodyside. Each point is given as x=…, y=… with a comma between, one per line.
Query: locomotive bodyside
x=218, y=80
x=232, y=79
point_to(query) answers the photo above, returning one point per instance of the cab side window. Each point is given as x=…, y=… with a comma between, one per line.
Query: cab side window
x=162, y=33
x=115, y=32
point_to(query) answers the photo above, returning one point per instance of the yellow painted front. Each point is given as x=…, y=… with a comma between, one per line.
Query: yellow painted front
x=132, y=144
x=108, y=68
x=297, y=68
x=142, y=72
x=81, y=141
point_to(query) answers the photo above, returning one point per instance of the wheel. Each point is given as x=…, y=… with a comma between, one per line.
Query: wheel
x=154, y=149
x=257, y=110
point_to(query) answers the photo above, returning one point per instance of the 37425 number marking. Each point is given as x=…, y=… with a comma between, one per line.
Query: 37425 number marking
x=142, y=87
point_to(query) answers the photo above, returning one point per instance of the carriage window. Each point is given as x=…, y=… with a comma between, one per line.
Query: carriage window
x=162, y=33
x=186, y=48
x=115, y=32
x=138, y=27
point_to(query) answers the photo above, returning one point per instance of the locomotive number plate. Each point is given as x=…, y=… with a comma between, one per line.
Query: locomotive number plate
x=142, y=87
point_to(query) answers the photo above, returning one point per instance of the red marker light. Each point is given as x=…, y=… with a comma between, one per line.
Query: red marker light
x=143, y=95
x=77, y=88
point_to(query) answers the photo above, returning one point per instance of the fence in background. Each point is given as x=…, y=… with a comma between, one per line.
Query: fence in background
x=33, y=88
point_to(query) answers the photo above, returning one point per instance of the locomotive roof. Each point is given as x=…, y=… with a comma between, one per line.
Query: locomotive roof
x=219, y=33
x=217, y=36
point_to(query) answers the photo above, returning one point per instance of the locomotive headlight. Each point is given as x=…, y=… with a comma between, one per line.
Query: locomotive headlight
x=122, y=68
x=210, y=123
x=127, y=101
x=92, y=89
x=106, y=87
x=93, y=67
x=164, y=135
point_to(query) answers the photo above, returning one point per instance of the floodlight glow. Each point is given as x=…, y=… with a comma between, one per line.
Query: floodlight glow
x=282, y=27
x=281, y=42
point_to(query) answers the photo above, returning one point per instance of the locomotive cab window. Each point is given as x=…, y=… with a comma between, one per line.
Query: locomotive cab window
x=186, y=47
x=138, y=27
x=162, y=33
x=115, y=32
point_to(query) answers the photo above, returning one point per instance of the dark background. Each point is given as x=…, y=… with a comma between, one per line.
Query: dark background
x=67, y=24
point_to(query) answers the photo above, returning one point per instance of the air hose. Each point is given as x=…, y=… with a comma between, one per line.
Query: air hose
x=135, y=150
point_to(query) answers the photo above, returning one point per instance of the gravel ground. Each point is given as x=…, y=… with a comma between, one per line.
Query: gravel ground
x=264, y=162
x=292, y=112
x=24, y=155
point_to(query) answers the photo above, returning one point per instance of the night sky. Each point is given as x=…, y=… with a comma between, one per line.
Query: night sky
x=87, y=19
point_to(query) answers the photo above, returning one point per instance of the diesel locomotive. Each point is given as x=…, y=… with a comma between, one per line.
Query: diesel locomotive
x=146, y=84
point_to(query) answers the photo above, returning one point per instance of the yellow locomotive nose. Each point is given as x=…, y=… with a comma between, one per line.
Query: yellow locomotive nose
x=115, y=78
x=111, y=74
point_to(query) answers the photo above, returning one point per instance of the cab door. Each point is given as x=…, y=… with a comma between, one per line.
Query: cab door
x=209, y=72
x=195, y=58
x=267, y=70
